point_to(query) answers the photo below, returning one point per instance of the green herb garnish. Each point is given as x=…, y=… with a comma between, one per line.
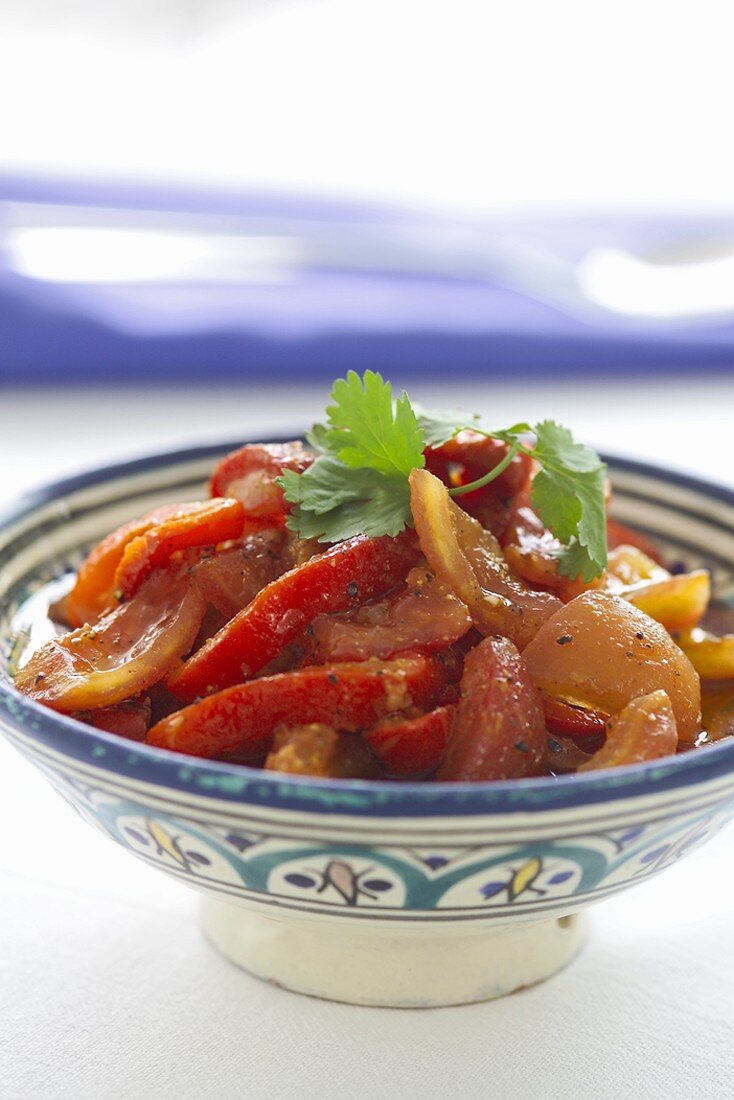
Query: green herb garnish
x=371, y=442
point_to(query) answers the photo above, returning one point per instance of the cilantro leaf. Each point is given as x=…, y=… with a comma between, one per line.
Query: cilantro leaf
x=439, y=426
x=368, y=429
x=568, y=494
x=334, y=502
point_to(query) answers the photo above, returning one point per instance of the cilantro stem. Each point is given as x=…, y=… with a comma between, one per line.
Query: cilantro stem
x=514, y=449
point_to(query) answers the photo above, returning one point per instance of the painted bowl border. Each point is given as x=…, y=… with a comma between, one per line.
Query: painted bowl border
x=366, y=798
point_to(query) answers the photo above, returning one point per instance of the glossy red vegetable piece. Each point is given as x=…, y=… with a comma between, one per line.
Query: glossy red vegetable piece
x=93, y=592
x=412, y=746
x=498, y=730
x=343, y=576
x=349, y=696
x=424, y=615
x=644, y=730
x=566, y=720
x=204, y=524
x=124, y=654
x=249, y=475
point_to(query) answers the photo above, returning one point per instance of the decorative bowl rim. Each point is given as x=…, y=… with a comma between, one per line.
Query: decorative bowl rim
x=240, y=783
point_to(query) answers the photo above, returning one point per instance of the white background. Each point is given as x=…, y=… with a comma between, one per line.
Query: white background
x=467, y=104
x=107, y=988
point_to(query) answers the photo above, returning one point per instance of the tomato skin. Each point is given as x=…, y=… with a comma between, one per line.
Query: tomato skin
x=423, y=616
x=93, y=592
x=128, y=650
x=348, y=696
x=412, y=746
x=599, y=652
x=469, y=560
x=565, y=720
x=644, y=730
x=206, y=523
x=343, y=576
x=249, y=475
x=498, y=730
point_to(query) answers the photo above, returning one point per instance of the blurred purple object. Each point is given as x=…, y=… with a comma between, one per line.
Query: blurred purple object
x=110, y=284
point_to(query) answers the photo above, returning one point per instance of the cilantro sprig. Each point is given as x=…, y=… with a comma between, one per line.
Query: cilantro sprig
x=371, y=442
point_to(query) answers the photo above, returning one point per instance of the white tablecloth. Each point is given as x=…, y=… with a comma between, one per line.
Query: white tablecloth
x=107, y=989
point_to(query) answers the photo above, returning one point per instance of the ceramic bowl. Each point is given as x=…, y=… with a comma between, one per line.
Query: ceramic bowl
x=374, y=893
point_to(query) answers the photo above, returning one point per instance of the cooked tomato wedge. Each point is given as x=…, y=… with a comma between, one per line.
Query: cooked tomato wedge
x=94, y=590
x=599, y=652
x=424, y=615
x=411, y=746
x=469, y=560
x=345, y=575
x=498, y=730
x=249, y=475
x=232, y=577
x=203, y=524
x=349, y=696
x=126, y=652
x=129, y=720
x=644, y=730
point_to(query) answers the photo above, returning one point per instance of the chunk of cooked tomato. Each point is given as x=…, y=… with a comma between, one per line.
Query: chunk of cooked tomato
x=599, y=652
x=349, y=696
x=411, y=747
x=468, y=559
x=320, y=751
x=424, y=615
x=498, y=731
x=249, y=475
x=343, y=576
x=124, y=654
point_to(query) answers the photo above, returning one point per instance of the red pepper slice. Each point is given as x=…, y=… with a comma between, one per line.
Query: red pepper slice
x=344, y=576
x=349, y=696
x=249, y=475
x=412, y=746
x=93, y=593
x=203, y=524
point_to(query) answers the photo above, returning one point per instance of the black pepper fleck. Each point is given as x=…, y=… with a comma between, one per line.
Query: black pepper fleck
x=522, y=746
x=564, y=639
x=640, y=636
x=332, y=678
x=352, y=590
x=553, y=745
x=41, y=676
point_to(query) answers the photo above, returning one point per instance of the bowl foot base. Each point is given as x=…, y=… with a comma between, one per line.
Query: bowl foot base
x=390, y=964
